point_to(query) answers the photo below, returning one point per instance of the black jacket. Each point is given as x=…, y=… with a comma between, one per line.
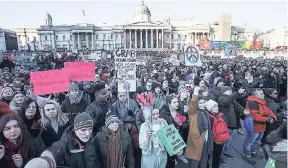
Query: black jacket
x=36, y=147
x=49, y=136
x=166, y=115
x=68, y=153
x=127, y=148
x=73, y=109
x=230, y=108
x=98, y=113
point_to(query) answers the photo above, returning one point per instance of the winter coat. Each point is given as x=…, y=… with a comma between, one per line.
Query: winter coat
x=273, y=105
x=73, y=109
x=230, y=108
x=98, y=113
x=215, y=92
x=143, y=100
x=276, y=146
x=195, y=140
x=67, y=152
x=49, y=136
x=36, y=147
x=166, y=115
x=127, y=148
x=213, y=75
x=260, y=113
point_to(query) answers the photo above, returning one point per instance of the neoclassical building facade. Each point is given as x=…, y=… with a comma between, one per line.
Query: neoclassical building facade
x=142, y=33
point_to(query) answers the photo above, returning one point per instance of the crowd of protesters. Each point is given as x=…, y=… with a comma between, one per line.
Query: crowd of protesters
x=95, y=126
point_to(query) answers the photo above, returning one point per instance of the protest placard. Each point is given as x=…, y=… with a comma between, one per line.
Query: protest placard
x=46, y=82
x=192, y=56
x=125, y=65
x=171, y=139
x=80, y=71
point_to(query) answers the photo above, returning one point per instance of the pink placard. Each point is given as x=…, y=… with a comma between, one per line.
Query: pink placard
x=80, y=71
x=46, y=82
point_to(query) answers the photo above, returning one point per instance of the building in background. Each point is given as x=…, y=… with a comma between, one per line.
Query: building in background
x=141, y=33
x=275, y=38
x=27, y=38
x=8, y=40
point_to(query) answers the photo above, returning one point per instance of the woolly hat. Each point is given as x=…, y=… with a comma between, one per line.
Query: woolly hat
x=83, y=120
x=269, y=91
x=112, y=118
x=209, y=104
x=155, y=85
x=182, y=88
x=224, y=89
x=45, y=161
x=73, y=86
x=218, y=80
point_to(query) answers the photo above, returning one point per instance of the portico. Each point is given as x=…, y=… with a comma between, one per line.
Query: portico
x=143, y=38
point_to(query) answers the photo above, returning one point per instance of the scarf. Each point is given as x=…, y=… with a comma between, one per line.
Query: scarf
x=12, y=149
x=204, y=124
x=115, y=154
x=77, y=99
x=158, y=101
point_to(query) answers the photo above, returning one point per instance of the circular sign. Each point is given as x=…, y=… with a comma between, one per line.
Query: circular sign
x=192, y=54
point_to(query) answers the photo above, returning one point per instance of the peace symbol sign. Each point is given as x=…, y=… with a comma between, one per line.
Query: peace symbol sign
x=192, y=54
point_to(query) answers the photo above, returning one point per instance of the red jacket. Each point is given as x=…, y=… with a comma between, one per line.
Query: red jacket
x=260, y=113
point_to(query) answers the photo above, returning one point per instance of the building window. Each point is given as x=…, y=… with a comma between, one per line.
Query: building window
x=70, y=37
x=104, y=36
x=34, y=38
x=179, y=37
x=64, y=46
x=56, y=37
x=108, y=37
x=63, y=37
x=57, y=46
x=97, y=46
x=172, y=37
x=96, y=37
x=116, y=36
x=185, y=37
x=28, y=39
x=111, y=37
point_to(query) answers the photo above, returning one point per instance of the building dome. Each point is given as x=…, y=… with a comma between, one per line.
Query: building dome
x=142, y=14
x=142, y=9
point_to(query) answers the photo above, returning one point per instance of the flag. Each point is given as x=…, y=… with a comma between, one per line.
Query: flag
x=83, y=12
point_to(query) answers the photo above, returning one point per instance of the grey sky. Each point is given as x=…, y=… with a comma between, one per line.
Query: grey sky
x=263, y=15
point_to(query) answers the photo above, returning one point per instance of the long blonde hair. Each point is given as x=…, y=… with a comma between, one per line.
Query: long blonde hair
x=62, y=119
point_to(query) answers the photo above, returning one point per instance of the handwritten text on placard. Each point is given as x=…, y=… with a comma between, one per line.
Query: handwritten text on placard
x=46, y=82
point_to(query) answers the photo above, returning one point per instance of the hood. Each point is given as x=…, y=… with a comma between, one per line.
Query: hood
x=255, y=99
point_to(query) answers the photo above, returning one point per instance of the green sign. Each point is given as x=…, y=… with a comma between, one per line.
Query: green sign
x=171, y=139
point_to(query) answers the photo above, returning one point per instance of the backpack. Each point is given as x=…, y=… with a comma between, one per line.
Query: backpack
x=219, y=129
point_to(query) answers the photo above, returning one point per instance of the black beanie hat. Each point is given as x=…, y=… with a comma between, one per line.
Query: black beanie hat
x=269, y=91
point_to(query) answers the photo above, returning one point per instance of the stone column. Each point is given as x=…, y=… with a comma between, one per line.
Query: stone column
x=130, y=39
x=73, y=41
x=141, y=40
x=135, y=38
x=152, y=38
x=92, y=39
x=87, y=41
x=114, y=41
x=157, y=34
x=170, y=39
x=79, y=44
x=125, y=39
x=194, y=39
x=162, y=38
x=146, y=44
